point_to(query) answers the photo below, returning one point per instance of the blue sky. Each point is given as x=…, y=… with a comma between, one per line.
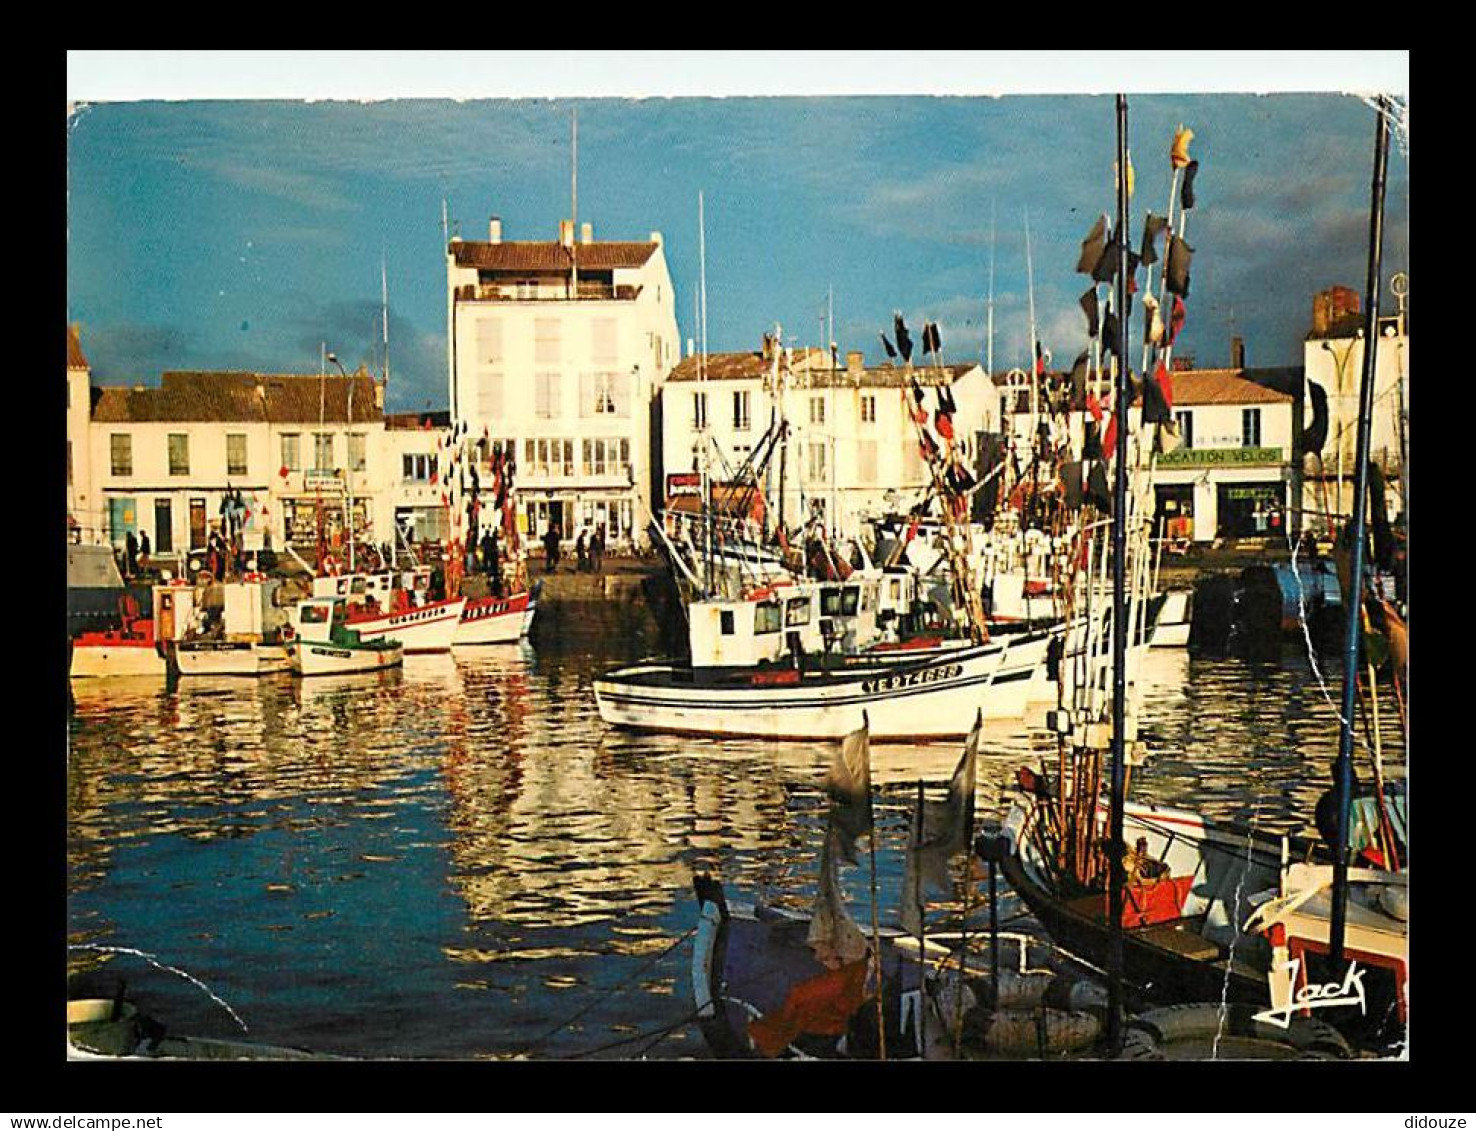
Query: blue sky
x=234, y=234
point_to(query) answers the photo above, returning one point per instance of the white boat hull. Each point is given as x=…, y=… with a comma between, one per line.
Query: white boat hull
x=428, y=629
x=495, y=620
x=310, y=658
x=243, y=658
x=89, y=661
x=939, y=698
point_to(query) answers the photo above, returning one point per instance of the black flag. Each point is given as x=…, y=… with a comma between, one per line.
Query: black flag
x=1176, y=270
x=904, y=339
x=1110, y=332
x=1152, y=227
x=1186, y=194
x=1155, y=407
x=1093, y=247
x=931, y=342
x=1107, y=268
x=886, y=345
x=1315, y=435
x=1088, y=303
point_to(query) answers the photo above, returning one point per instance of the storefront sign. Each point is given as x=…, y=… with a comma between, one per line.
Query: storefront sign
x=1218, y=457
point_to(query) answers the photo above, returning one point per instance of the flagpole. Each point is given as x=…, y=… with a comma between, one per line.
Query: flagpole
x=881, y=1027
x=915, y=835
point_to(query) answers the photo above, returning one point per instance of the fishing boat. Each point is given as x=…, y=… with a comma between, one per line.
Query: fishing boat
x=395, y=606
x=129, y=650
x=234, y=629
x=323, y=643
x=109, y=1028
x=497, y=620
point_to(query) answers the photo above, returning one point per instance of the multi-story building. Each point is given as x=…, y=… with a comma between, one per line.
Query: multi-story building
x=851, y=445
x=560, y=347
x=1333, y=359
x=297, y=448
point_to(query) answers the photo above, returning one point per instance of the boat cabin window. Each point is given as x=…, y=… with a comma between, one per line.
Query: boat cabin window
x=766, y=617
x=797, y=611
x=358, y=585
x=896, y=590
x=830, y=602
x=315, y=614
x=850, y=600
x=725, y=621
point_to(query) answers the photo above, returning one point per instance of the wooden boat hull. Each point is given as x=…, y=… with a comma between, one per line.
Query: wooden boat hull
x=431, y=628
x=310, y=658
x=936, y=698
x=116, y=653
x=495, y=620
x=248, y=658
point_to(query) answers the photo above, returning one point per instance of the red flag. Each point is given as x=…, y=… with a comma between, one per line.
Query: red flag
x=1176, y=319
x=282, y=471
x=1109, y=440
x=822, y=1005
x=912, y=529
x=1094, y=406
x=1165, y=383
x=425, y=424
x=945, y=424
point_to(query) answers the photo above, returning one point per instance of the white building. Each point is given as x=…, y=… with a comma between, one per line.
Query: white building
x=163, y=458
x=85, y=516
x=850, y=441
x=1333, y=358
x=560, y=347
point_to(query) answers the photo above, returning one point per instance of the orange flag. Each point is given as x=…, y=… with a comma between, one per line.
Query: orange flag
x=1179, y=151
x=823, y=1005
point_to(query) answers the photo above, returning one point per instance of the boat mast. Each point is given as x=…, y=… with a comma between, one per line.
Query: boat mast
x=702, y=437
x=1120, y=626
x=989, y=333
x=1353, y=598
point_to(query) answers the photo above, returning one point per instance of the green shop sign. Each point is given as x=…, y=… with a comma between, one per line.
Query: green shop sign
x=1219, y=457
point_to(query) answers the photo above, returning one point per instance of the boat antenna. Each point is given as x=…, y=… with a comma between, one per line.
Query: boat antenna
x=1034, y=361
x=1119, y=616
x=384, y=311
x=1353, y=598
x=989, y=334
x=702, y=382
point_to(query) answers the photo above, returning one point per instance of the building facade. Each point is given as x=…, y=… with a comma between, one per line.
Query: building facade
x=559, y=349
x=851, y=446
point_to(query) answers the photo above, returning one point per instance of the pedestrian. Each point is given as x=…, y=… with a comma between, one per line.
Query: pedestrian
x=144, y=549
x=130, y=555
x=597, y=548
x=551, y=548
x=581, y=551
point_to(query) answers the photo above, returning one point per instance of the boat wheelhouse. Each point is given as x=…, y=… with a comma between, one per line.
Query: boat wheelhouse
x=395, y=606
x=323, y=642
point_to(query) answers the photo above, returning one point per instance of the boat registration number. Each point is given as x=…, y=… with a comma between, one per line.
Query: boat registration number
x=334, y=652
x=913, y=679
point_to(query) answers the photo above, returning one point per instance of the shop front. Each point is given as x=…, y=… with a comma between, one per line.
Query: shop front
x=1174, y=516
x=1251, y=510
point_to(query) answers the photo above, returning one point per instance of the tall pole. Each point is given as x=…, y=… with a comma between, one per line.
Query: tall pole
x=1353, y=599
x=1119, y=609
x=1034, y=375
x=702, y=384
x=989, y=333
x=574, y=203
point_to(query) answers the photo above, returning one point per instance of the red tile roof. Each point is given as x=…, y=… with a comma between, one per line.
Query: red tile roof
x=76, y=359
x=1221, y=386
x=279, y=398
x=549, y=255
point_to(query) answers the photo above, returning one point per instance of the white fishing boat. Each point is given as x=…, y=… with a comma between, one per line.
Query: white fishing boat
x=323, y=643
x=496, y=620
x=233, y=629
x=392, y=606
x=130, y=650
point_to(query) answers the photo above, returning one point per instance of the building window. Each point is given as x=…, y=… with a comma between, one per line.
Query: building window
x=604, y=338
x=604, y=394
x=179, y=453
x=866, y=461
x=1185, y=421
x=489, y=395
x=236, y=453
x=699, y=410
x=489, y=341
x=292, y=451
x=323, y=451
x=356, y=457
x=546, y=396
x=815, y=468
x=416, y=468
x=1250, y=428
x=817, y=410
x=122, y=445
x=741, y=419
x=868, y=409
x=547, y=341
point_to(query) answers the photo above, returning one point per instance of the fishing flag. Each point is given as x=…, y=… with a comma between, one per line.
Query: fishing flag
x=944, y=423
x=1315, y=435
x=904, y=339
x=1155, y=404
x=1176, y=319
x=1165, y=383
x=929, y=445
x=1106, y=269
x=1176, y=269
x=1153, y=323
x=1093, y=248
x=849, y=785
x=833, y=934
x=1096, y=489
x=1042, y=356
x=915, y=409
x=1089, y=304
x=1109, y=437
x=1186, y=194
x=823, y=1005
x=1078, y=385
x=1130, y=178
x=1094, y=406
x=1179, y=151
x=931, y=342
x=1153, y=226
x=887, y=345
x=1091, y=440
x=1111, y=331
x=940, y=830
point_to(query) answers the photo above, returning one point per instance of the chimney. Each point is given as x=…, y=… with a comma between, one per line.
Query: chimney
x=494, y=230
x=379, y=395
x=566, y=233
x=855, y=361
x=586, y=232
x=1237, y=352
x=656, y=238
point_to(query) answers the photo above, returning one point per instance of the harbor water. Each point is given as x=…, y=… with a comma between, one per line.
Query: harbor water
x=460, y=860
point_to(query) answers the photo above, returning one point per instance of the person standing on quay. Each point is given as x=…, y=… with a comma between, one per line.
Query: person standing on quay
x=551, y=548
x=581, y=552
x=144, y=549
x=130, y=556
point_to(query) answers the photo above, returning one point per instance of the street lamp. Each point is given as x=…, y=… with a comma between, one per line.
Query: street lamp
x=349, y=463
